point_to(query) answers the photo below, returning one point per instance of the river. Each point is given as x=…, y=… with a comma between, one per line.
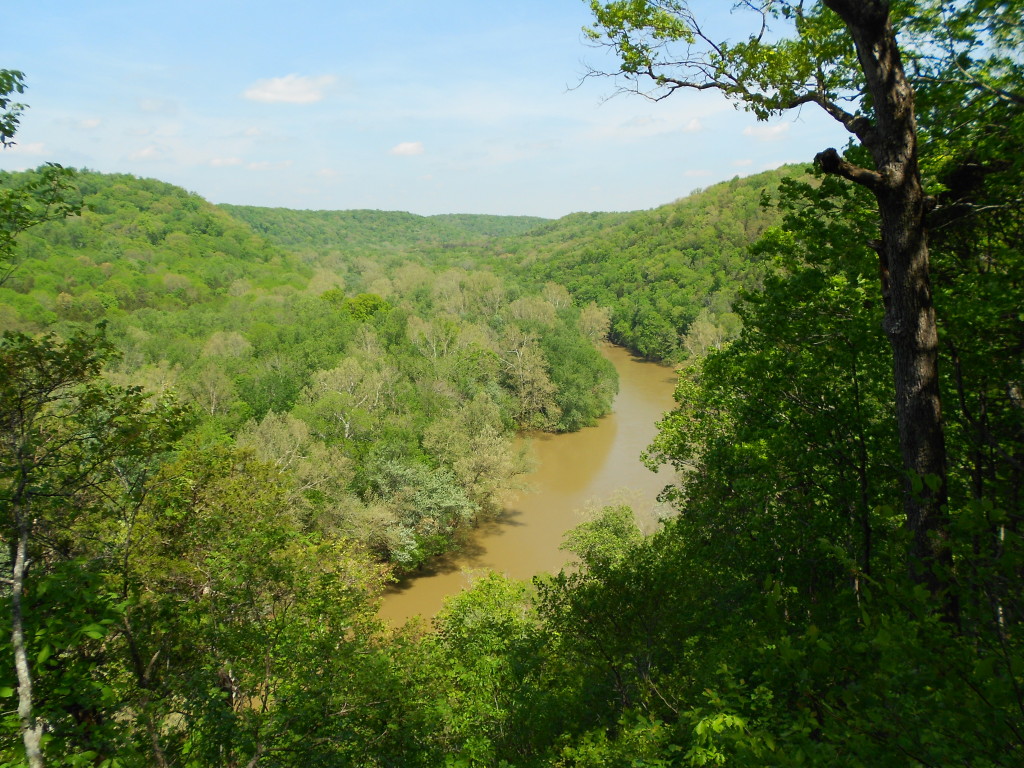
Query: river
x=575, y=473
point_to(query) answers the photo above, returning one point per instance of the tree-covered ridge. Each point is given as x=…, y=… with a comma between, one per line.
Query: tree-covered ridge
x=370, y=231
x=387, y=391
x=670, y=275
x=189, y=602
x=138, y=244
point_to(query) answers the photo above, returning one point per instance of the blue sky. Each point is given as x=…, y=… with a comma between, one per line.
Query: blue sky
x=447, y=106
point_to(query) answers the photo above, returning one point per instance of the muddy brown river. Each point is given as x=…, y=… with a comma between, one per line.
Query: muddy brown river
x=574, y=473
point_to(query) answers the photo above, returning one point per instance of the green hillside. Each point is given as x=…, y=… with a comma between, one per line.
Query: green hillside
x=669, y=275
x=139, y=244
x=377, y=231
x=401, y=382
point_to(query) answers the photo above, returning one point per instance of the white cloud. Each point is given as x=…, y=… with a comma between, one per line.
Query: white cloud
x=266, y=165
x=763, y=132
x=158, y=106
x=648, y=126
x=32, y=148
x=407, y=148
x=742, y=163
x=223, y=162
x=327, y=173
x=290, y=89
x=152, y=152
x=697, y=172
x=93, y=122
x=637, y=127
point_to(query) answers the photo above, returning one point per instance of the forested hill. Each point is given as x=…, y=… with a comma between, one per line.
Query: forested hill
x=669, y=275
x=139, y=244
x=191, y=579
x=362, y=231
x=386, y=389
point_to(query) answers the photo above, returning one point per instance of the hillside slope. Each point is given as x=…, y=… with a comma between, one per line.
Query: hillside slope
x=668, y=275
x=359, y=231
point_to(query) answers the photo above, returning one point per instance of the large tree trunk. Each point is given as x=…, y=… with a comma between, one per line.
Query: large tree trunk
x=891, y=137
x=911, y=328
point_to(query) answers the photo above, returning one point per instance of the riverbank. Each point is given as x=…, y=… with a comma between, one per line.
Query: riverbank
x=575, y=472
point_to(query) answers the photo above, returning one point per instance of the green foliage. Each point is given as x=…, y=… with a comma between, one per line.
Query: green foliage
x=74, y=466
x=11, y=82
x=175, y=611
x=365, y=306
x=210, y=601
x=668, y=276
x=361, y=232
x=268, y=611
x=480, y=665
x=584, y=381
x=785, y=435
x=28, y=201
x=427, y=509
x=603, y=541
x=250, y=333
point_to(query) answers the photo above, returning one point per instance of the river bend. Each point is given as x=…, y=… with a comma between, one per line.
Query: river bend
x=575, y=473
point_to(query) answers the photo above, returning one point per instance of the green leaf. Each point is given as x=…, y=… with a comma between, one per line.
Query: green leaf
x=94, y=631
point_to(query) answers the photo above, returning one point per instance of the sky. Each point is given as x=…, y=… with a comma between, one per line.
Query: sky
x=446, y=106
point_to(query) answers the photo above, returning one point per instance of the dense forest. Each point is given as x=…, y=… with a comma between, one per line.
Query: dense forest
x=225, y=428
x=669, y=276
x=388, y=402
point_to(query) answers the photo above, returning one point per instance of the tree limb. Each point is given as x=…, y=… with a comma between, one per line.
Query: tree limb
x=830, y=162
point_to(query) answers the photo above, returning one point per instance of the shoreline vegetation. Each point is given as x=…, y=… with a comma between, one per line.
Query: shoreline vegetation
x=381, y=362
x=226, y=429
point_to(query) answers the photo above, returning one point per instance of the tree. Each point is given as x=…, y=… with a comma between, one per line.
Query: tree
x=595, y=322
x=478, y=670
x=35, y=377
x=286, y=442
x=843, y=57
x=67, y=438
x=345, y=400
x=474, y=445
x=527, y=372
x=242, y=634
x=785, y=434
x=41, y=196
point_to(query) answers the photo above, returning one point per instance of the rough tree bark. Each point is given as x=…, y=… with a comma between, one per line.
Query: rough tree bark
x=895, y=181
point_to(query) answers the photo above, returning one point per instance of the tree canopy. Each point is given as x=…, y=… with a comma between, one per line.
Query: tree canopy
x=202, y=497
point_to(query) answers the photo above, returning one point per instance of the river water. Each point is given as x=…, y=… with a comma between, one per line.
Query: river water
x=575, y=473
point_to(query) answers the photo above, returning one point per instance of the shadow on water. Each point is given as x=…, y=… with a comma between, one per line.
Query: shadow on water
x=467, y=556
